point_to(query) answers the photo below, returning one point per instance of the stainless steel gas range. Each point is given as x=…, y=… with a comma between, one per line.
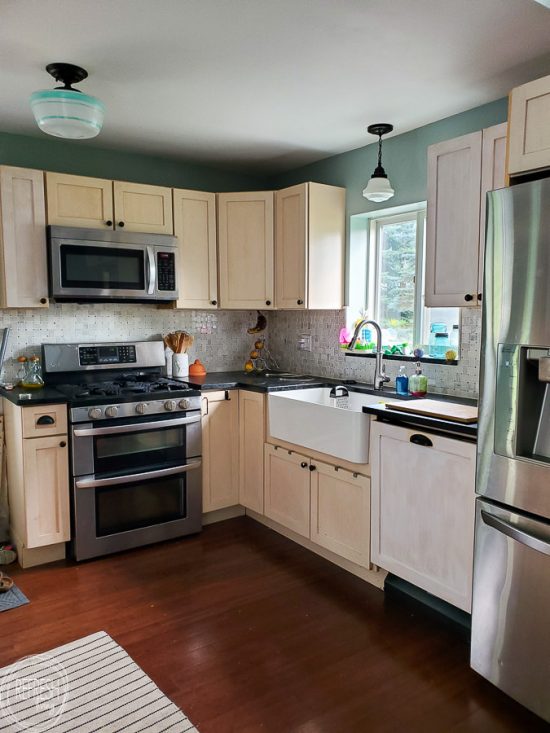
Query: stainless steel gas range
x=135, y=445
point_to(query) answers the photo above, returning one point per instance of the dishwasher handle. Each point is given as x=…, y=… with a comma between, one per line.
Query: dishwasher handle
x=530, y=539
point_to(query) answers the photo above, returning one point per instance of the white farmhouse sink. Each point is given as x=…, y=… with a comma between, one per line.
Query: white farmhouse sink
x=307, y=417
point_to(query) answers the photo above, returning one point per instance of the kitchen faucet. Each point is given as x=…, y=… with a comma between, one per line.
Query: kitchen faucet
x=380, y=376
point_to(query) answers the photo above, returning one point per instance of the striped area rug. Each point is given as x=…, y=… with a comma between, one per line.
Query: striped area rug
x=87, y=686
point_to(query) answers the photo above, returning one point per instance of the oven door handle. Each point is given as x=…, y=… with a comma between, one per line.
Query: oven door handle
x=151, y=271
x=114, y=481
x=138, y=427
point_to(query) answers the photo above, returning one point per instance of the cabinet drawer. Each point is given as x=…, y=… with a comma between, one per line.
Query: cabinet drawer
x=43, y=420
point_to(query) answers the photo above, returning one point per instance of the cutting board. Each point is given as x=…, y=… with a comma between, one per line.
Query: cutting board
x=436, y=408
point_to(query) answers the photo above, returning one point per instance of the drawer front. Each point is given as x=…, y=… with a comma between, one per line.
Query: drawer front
x=42, y=420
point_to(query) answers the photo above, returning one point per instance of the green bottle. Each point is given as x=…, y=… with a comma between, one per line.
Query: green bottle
x=418, y=383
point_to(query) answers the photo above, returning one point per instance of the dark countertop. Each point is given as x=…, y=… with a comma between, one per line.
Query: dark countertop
x=255, y=382
x=43, y=396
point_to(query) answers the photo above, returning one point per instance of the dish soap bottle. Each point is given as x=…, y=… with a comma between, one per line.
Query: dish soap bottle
x=418, y=383
x=402, y=382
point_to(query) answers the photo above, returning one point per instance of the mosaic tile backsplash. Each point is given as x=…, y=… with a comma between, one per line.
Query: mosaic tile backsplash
x=327, y=359
x=221, y=341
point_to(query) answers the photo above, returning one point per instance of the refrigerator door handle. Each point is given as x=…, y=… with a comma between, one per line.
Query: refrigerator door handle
x=525, y=538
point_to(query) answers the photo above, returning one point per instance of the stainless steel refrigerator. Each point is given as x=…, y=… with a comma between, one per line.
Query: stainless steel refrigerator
x=511, y=598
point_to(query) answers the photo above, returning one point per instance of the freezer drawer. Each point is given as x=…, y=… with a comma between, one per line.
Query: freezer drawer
x=511, y=604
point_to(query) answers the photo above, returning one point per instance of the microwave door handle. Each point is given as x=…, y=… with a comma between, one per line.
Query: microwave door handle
x=136, y=428
x=151, y=271
x=91, y=483
x=541, y=544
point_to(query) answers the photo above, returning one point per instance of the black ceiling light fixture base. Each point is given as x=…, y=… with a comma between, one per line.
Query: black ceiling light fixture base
x=380, y=128
x=67, y=74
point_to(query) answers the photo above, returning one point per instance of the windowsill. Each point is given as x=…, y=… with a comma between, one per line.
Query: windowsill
x=400, y=357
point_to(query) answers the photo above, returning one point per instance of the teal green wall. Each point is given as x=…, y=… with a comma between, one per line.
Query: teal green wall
x=403, y=157
x=83, y=159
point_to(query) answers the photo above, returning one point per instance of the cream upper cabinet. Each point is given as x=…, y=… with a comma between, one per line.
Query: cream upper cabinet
x=23, y=261
x=460, y=172
x=220, y=450
x=529, y=133
x=251, y=450
x=78, y=201
x=309, y=246
x=287, y=489
x=245, y=240
x=195, y=228
x=143, y=208
x=340, y=512
x=423, y=508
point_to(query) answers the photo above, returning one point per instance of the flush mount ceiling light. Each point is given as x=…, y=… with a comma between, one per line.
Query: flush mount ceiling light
x=379, y=188
x=64, y=111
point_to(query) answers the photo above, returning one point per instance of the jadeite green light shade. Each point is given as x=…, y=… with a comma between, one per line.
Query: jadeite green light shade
x=67, y=113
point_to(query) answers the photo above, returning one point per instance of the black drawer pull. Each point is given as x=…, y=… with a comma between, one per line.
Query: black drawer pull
x=45, y=420
x=423, y=440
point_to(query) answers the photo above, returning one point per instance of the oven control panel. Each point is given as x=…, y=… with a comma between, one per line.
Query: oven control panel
x=108, y=354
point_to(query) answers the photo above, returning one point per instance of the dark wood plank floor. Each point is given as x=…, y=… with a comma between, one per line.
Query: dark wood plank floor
x=247, y=632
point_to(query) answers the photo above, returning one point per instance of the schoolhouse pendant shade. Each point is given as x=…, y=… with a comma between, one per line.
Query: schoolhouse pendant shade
x=378, y=188
x=66, y=112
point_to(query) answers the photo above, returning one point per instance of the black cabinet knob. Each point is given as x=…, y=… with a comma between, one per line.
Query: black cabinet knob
x=479, y=296
x=120, y=224
x=313, y=468
x=300, y=302
x=268, y=302
x=468, y=297
x=108, y=223
x=303, y=464
x=43, y=301
x=62, y=444
x=214, y=302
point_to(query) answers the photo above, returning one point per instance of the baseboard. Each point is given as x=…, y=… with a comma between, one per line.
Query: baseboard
x=219, y=515
x=375, y=576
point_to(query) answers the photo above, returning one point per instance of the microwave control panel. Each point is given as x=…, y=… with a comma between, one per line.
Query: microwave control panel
x=166, y=271
x=109, y=354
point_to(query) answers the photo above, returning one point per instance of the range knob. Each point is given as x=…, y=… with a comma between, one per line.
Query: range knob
x=94, y=413
x=141, y=408
x=170, y=405
x=111, y=411
x=184, y=404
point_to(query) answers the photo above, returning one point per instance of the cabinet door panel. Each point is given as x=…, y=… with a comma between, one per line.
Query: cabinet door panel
x=143, y=208
x=251, y=450
x=220, y=450
x=195, y=228
x=46, y=470
x=245, y=230
x=423, y=505
x=529, y=141
x=23, y=238
x=291, y=246
x=77, y=201
x=452, y=225
x=287, y=489
x=340, y=512
x=327, y=235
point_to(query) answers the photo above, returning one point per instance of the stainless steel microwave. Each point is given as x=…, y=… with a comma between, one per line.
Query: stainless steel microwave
x=97, y=265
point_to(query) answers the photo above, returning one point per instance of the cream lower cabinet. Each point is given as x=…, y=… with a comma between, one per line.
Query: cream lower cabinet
x=529, y=137
x=325, y=503
x=423, y=507
x=309, y=246
x=251, y=450
x=38, y=481
x=23, y=262
x=245, y=239
x=220, y=450
x=195, y=228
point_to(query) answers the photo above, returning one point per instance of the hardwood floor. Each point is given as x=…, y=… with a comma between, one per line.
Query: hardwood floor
x=247, y=632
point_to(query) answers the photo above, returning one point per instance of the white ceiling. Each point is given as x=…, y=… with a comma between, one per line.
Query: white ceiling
x=267, y=85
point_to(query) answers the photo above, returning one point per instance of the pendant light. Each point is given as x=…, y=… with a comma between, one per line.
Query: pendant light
x=379, y=188
x=64, y=111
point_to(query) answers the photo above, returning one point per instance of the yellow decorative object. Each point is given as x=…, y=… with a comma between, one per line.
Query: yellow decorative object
x=249, y=366
x=259, y=344
x=450, y=355
x=254, y=354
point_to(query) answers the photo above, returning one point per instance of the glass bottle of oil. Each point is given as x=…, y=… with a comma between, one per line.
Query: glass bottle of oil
x=33, y=378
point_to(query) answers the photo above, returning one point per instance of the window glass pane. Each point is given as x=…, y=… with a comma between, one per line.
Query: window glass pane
x=396, y=282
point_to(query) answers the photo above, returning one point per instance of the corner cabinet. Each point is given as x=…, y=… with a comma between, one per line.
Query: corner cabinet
x=423, y=509
x=309, y=247
x=195, y=228
x=220, y=450
x=460, y=172
x=245, y=239
x=529, y=138
x=23, y=263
